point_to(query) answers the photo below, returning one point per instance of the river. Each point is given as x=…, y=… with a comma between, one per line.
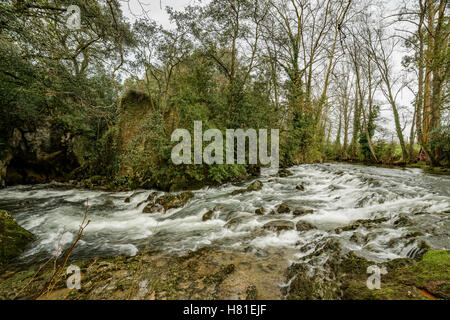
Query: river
x=337, y=194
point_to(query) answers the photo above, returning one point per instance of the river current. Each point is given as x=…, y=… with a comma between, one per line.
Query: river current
x=337, y=194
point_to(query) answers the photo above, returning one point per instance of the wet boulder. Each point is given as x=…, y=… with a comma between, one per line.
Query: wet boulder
x=304, y=226
x=128, y=199
x=300, y=187
x=233, y=223
x=254, y=186
x=283, y=208
x=302, y=212
x=283, y=173
x=152, y=208
x=109, y=203
x=403, y=221
x=13, y=238
x=172, y=201
x=208, y=215
x=152, y=196
x=358, y=238
x=260, y=211
x=279, y=225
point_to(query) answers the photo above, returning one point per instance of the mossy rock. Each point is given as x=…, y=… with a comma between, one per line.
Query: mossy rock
x=279, y=225
x=260, y=211
x=283, y=173
x=254, y=186
x=13, y=238
x=304, y=226
x=406, y=279
x=171, y=201
x=284, y=208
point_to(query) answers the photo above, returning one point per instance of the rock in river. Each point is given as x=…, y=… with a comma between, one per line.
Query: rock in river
x=304, y=226
x=283, y=208
x=171, y=201
x=279, y=225
x=254, y=186
x=13, y=238
x=208, y=215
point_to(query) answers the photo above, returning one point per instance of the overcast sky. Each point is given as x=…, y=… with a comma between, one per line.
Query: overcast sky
x=155, y=9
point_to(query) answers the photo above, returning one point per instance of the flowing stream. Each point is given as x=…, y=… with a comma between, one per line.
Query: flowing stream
x=338, y=194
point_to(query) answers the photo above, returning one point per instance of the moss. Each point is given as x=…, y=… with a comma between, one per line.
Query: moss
x=170, y=201
x=13, y=238
x=407, y=279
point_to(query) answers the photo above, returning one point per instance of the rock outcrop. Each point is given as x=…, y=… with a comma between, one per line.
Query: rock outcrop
x=13, y=238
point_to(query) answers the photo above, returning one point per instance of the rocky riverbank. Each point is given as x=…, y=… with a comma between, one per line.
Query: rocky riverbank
x=211, y=273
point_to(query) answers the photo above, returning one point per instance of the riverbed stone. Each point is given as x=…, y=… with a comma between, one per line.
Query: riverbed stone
x=358, y=238
x=304, y=226
x=284, y=208
x=108, y=203
x=208, y=215
x=279, y=225
x=13, y=238
x=300, y=187
x=302, y=212
x=283, y=173
x=152, y=196
x=172, y=201
x=403, y=221
x=254, y=186
x=233, y=223
x=152, y=208
x=260, y=211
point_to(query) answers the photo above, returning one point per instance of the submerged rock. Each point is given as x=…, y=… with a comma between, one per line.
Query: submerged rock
x=254, y=186
x=304, y=226
x=260, y=211
x=300, y=187
x=152, y=196
x=368, y=224
x=302, y=212
x=403, y=221
x=13, y=238
x=208, y=215
x=109, y=203
x=172, y=201
x=152, y=208
x=279, y=225
x=283, y=173
x=283, y=208
x=358, y=238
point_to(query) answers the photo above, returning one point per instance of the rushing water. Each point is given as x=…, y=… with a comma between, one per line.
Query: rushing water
x=339, y=194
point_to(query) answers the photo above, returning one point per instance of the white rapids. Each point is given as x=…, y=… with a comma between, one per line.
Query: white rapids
x=339, y=194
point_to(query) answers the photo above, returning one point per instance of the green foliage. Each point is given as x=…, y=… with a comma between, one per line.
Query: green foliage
x=386, y=152
x=440, y=143
x=371, y=126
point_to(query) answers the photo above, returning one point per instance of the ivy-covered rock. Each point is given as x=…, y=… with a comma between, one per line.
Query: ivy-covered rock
x=13, y=238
